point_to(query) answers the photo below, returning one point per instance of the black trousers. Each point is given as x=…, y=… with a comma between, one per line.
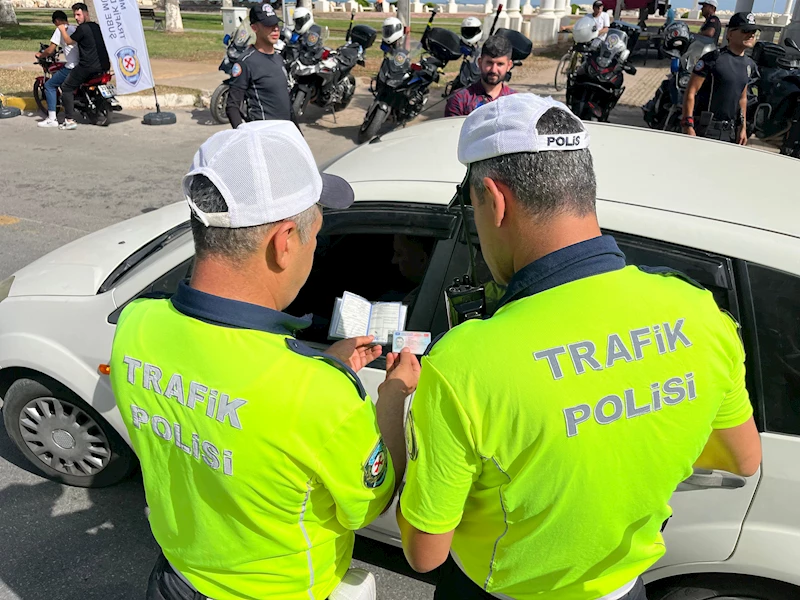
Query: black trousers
x=76, y=77
x=453, y=584
x=725, y=131
x=165, y=584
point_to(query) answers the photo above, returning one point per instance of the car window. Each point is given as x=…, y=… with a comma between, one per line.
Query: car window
x=381, y=267
x=776, y=303
x=165, y=286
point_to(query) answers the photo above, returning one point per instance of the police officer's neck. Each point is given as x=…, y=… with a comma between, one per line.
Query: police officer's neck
x=264, y=46
x=737, y=49
x=538, y=238
x=246, y=283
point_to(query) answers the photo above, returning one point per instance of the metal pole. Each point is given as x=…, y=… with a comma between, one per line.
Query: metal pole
x=404, y=14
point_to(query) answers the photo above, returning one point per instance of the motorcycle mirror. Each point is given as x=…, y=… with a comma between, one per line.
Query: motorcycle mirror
x=790, y=42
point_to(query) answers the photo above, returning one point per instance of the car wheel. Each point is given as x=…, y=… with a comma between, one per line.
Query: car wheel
x=722, y=587
x=64, y=437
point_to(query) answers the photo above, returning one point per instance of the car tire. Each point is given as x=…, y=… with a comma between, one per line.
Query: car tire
x=63, y=437
x=722, y=587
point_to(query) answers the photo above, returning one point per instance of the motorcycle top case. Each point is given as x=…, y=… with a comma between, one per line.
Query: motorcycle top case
x=631, y=30
x=521, y=46
x=363, y=35
x=443, y=44
x=774, y=56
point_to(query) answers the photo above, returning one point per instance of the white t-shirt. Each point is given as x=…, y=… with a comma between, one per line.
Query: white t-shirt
x=603, y=21
x=70, y=52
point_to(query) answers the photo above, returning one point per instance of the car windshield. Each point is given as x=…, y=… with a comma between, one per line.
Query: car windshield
x=142, y=253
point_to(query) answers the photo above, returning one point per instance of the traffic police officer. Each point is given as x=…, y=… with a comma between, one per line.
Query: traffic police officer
x=712, y=26
x=544, y=442
x=260, y=456
x=259, y=76
x=715, y=105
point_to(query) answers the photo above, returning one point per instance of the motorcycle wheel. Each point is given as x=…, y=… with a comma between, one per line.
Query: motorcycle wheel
x=299, y=103
x=791, y=143
x=102, y=115
x=372, y=125
x=39, y=97
x=217, y=104
x=346, y=100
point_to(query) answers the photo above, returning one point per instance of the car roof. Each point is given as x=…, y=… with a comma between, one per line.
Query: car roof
x=634, y=166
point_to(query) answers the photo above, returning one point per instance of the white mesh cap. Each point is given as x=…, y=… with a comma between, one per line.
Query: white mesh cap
x=508, y=126
x=266, y=173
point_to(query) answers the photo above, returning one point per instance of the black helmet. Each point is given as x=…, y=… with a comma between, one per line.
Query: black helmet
x=676, y=38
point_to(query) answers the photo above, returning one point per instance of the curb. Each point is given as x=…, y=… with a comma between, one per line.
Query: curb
x=27, y=103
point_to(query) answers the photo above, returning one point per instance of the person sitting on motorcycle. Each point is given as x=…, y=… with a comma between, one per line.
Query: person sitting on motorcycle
x=93, y=59
x=471, y=33
x=70, y=62
x=715, y=105
x=712, y=27
x=494, y=64
x=600, y=17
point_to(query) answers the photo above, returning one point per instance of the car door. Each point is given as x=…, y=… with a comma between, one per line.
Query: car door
x=709, y=508
x=359, y=251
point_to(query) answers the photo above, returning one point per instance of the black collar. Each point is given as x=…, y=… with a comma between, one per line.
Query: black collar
x=584, y=259
x=233, y=313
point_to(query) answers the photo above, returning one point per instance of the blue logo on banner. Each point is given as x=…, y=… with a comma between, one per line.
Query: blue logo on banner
x=128, y=65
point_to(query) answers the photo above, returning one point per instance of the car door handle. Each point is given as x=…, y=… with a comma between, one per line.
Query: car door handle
x=703, y=479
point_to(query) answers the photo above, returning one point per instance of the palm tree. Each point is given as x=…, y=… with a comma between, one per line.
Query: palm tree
x=174, y=21
x=7, y=14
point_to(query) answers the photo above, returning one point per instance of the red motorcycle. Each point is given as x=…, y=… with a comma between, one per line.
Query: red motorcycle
x=94, y=99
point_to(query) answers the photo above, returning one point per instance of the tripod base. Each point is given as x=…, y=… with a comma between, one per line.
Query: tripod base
x=159, y=118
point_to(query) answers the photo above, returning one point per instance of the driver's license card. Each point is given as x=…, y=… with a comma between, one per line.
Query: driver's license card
x=416, y=341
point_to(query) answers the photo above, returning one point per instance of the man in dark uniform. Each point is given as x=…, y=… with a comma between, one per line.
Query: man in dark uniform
x=715, y=105
x=712, y=27
x=260, y=76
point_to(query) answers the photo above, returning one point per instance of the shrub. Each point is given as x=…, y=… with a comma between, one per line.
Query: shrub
x=575, y=9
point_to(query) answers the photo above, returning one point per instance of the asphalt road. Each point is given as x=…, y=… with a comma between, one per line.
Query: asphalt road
x=55, y=186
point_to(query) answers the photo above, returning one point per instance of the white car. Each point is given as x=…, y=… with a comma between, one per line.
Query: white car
x=729, y=217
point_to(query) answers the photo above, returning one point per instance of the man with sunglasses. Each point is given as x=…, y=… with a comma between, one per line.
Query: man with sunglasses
x=715, y=105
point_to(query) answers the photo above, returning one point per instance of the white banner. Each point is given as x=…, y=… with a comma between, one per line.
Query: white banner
x=127, y=50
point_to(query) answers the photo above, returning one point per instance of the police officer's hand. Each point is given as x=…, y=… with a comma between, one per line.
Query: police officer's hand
x=689, y=131
x=402, y=373
x=741, y=139
x=355, y=352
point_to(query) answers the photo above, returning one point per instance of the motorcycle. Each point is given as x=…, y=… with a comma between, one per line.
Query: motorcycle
x=469, y=72
x=324, y=78
x=776, y=116
x=401, y=87
x=594, y=89
x=664, y=110
x=95, y=99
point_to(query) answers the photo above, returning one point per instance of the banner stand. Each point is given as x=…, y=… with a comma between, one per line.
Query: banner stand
x=158, y=117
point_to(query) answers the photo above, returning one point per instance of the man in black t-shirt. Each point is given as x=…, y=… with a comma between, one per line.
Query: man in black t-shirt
x=93, y=59
x=715, y=104
x=712, y=27
x=260, y=75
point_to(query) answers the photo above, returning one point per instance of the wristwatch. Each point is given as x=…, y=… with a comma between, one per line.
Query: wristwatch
x=688, y=122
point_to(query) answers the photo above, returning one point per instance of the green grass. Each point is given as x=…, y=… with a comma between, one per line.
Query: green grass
x=13, y=37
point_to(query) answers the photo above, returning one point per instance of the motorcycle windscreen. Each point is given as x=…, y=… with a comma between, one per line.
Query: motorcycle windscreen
x=394, y=68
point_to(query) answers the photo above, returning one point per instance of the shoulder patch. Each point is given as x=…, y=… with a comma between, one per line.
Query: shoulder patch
x=667, y=272
x=698, y=67
x=375, y=467
x=236, y=70
x=309, y=352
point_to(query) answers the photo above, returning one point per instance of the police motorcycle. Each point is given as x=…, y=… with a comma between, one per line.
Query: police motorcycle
x=402, y=86
x=328, y=81
x=595, y=87
x=776, y=116
x=664, y=110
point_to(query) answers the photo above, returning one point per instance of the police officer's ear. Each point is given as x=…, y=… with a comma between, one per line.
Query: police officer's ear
x=496, y=194
x=282, y=244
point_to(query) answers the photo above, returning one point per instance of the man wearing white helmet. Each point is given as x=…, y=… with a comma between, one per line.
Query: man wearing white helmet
x=712, y=27
x=494, y=64
x=544, y=442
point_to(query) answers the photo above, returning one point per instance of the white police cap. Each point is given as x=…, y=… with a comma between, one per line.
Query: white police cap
x=508, y=126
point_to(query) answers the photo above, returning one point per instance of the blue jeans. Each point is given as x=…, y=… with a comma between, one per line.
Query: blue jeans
x=51, y=87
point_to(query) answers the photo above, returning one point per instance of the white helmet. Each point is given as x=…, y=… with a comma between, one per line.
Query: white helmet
x=585, y=30
x=471, y=31
x=391, y=30
x=303, y=20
